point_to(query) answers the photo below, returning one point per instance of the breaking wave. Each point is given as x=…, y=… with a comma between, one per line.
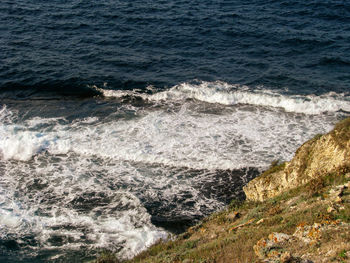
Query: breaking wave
x=102, y=182
x=227, y=94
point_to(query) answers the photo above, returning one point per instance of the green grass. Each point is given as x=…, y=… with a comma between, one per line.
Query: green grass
x=107, y=257
x=275, y=166
x=342, y=254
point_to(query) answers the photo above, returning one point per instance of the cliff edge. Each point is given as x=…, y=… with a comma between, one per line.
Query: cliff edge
x=320, y=156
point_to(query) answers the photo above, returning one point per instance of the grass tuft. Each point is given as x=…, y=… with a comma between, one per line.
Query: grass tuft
x=275, y=166
x=107, y=257
x=341, y=132
x=342, y=254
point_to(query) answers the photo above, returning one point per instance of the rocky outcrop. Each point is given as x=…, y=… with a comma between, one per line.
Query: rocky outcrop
x=320, y=156
x=273, y=249
x=281, y=247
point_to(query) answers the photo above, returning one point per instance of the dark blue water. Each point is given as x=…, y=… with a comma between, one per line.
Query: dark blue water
x=124, y=121
x=63, y=46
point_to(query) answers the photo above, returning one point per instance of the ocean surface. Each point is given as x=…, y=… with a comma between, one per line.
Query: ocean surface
x=122, y=122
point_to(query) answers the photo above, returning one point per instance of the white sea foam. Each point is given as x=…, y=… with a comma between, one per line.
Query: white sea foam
x=232, y=138
x=242, y=137
x=116, y=220
x=21, y=145
x=226, y=94
x=81, y=181
x=6, y=116
x=9, y=220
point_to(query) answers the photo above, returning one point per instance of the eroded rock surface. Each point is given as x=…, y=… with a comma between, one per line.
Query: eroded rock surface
x=322, y=155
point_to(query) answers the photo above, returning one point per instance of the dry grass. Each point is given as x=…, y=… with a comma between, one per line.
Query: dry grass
x=217, y=240
x=341, y=132
x=315, y=186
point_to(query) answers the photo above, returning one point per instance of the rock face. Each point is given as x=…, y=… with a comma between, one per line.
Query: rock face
x=322, y=155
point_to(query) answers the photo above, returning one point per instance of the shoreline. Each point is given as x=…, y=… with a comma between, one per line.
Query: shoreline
x=302, y=223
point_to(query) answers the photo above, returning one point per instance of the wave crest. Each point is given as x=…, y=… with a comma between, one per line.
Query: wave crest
x=227, y=94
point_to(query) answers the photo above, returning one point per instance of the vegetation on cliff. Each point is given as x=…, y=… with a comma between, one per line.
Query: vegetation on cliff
x=309, y=222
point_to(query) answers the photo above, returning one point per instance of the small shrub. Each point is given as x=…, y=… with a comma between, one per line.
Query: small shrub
x=255, y=212
x=191, y=244
x=317, y=136
x=222, y=218
x=107, y=257
x=342, y=254
x=235, y=204
x=315, y=186
x=344, y=216
x=341, y=132
x=338, y=177
x=274, y=210
x=275, y=220
x=275, y=166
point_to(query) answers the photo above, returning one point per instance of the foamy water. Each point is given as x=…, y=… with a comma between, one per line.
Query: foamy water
x=96, y=182
x=227, y=94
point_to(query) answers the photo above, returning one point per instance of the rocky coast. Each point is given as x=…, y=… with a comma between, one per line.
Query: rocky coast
x=296, y=211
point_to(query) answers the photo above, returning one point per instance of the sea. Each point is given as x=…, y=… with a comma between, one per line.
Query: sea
x=122, y=122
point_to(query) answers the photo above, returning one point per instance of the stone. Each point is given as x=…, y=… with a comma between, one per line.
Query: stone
x=330, y=209
x=338, y=199
x=308, y=234
x=242, y=225
x=261, y=248
x=278, y=237
x=269, y=248
x=260, y=221
x=332, y=191
x=214, y=235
